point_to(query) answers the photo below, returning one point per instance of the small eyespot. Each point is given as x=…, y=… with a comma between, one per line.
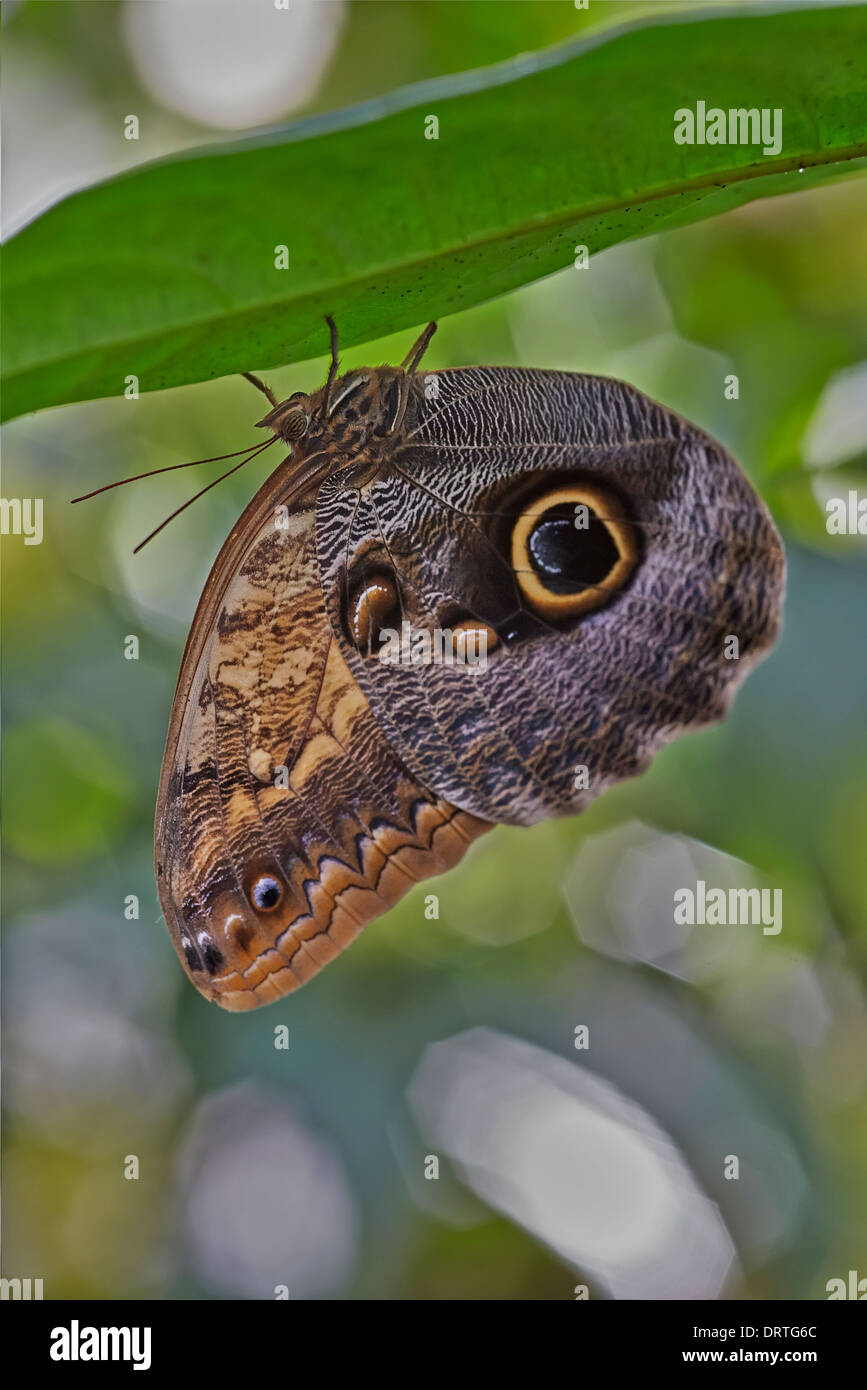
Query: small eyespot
x=374, y=605
x=193, y=958
x=211, y=954
x=266, y=893
x=474, y=640
x=572, y=549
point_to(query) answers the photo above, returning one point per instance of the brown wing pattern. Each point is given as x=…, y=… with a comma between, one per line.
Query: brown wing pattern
x=308, y=783
x=277, y=769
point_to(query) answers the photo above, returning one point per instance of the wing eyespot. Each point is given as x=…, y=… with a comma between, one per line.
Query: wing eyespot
x=209, y=952
x=266, y=893
x=572, y=549
x=474, y=640
x=191, y=955
x=373, y=605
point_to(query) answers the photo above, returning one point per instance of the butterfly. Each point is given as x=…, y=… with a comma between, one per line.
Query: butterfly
x=604, y=555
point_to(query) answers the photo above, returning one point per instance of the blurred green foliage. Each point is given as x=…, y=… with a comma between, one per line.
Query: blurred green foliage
x=776, y=293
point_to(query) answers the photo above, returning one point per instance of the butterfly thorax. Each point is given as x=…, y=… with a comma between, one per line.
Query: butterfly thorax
x=358, y=422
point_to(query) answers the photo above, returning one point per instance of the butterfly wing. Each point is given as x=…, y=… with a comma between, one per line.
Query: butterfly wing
x=299, y=760
x=276, y=772
x=565, y=706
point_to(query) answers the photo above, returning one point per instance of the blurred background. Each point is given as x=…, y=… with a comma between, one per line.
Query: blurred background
x=310, y=1168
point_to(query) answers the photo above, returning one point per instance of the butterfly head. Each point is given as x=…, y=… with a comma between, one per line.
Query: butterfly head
x=358, y=410
x=290, y=419
x=358, y=420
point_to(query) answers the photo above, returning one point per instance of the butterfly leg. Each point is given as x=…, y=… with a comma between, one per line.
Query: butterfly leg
x=332, y=370
x=409, y=365
x=418, y=349
x=260, y=386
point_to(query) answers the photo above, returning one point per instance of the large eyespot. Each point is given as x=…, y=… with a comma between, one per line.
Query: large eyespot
x=373, y=605
x=266, y=893
x=572, y=549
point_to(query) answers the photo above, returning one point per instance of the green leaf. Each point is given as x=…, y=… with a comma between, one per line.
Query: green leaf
x=168, y=273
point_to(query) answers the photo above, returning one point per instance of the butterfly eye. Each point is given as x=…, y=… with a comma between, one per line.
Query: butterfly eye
x=265, y=893
x=289, y=419
x=294, y=424
x=374, y=605
x=572, y=549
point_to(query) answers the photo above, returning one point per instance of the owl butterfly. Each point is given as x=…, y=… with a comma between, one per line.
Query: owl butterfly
x=598, y=548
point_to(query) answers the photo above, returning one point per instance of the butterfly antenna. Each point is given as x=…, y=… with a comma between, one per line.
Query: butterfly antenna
x=183, y=507
x=332, y=370
x=170, y=468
